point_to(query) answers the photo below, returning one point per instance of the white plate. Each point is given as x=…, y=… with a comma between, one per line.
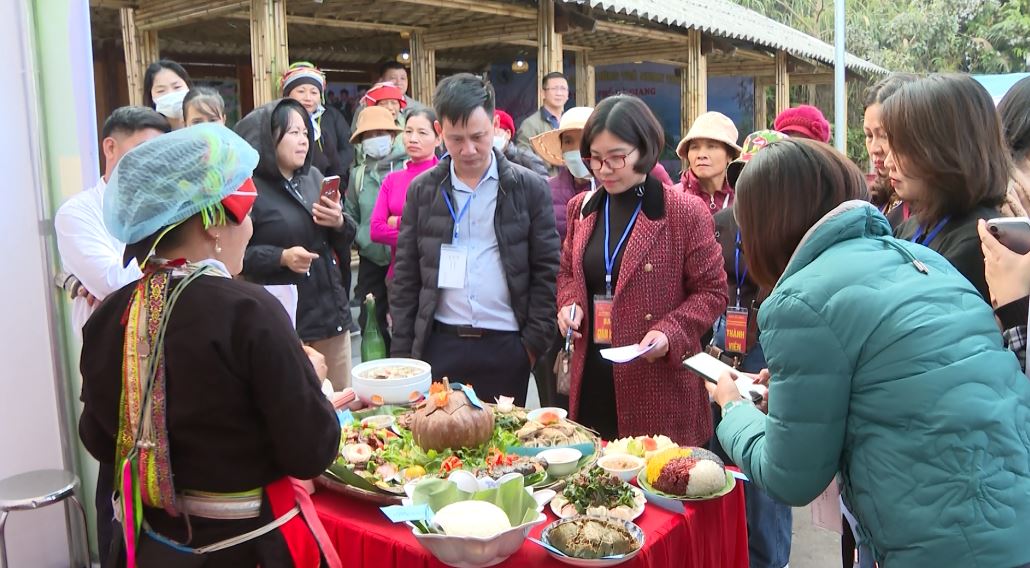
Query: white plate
x=535, y=414
x=559, y=501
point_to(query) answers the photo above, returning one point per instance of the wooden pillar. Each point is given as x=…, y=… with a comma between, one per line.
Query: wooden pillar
x=695, y=78
x=782, y=82
x=549, y=45
x=269, y=47
x=141, y=49
x=761, y=111
x=586, y=81
x=423, y=69
x=693, y=83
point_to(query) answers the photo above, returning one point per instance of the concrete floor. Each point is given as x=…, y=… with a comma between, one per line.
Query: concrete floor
x=812, y=547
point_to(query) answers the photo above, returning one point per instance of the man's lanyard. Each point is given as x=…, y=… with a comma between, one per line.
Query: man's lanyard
x=609, y=259
x=736, y=268
x=457, y=218
x=931, y=235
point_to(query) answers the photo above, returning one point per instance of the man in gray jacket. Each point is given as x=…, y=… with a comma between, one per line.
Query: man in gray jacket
x=555, y=90
x=473, y=292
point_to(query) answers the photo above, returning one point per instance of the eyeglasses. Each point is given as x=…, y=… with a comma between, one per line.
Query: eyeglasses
x=616, y=162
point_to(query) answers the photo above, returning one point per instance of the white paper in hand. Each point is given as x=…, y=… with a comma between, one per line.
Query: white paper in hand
x=624, y=354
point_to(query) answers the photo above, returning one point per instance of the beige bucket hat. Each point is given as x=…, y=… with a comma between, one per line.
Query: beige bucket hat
x=374, y=118
x=548, y=144
x=713, y=126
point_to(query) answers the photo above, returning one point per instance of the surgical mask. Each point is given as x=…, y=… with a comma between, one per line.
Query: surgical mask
x=170, y=104
x=500, y=142
x=574, y=162
x=378, y=147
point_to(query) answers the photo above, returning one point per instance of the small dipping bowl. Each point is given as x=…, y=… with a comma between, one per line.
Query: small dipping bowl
x=561, y=461
x=622, y=466
x=536, y=414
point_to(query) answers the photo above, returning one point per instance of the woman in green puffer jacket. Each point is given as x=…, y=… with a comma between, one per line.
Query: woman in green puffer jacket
x=886, y=368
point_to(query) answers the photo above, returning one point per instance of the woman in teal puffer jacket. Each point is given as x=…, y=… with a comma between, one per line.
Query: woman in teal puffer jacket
x=886, y=368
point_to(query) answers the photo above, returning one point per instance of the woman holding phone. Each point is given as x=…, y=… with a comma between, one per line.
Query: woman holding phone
x=300, y=235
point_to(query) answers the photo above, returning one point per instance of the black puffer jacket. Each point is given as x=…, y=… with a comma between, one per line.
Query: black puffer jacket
x=282, y=219
x=527, y=159
x=529, y=247
x=336, y=131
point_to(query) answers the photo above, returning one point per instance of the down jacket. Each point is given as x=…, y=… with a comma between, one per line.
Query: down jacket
x=282, y=219
x=529, y=247
x=888, y=368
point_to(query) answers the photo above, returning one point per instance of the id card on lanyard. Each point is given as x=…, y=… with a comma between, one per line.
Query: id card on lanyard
x=603, y=303
x=737, y=315
x=454, y=256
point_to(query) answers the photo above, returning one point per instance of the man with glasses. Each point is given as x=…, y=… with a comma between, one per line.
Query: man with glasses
x=555, y=89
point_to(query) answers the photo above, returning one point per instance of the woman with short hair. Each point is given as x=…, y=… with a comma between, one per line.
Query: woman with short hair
x=887, y=377
x=202, y=105
x=949, y=162
x=639, y=265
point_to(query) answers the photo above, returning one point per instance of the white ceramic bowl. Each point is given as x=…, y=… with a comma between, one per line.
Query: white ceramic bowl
x=469, y=552
x=561, y=461
x=535, y=414
x=611, y=465
x=393, y=391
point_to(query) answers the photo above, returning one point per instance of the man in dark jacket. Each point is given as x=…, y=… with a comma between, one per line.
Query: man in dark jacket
x=473, y=292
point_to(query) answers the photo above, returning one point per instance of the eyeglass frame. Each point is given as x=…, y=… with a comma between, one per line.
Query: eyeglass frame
x=590, y=160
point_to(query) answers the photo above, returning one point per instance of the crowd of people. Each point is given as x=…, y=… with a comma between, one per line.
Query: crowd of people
x=886, y=319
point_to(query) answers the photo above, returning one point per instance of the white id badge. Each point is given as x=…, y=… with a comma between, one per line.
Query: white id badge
x=453, y=261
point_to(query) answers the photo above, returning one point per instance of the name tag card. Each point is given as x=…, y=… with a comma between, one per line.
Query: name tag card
x=602, y=320
x=453, y=265
x=736, y=330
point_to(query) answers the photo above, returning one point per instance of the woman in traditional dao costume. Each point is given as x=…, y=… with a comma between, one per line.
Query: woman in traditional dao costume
x=196, y=389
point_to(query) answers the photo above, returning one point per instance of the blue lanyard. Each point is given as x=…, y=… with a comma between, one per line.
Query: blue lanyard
x=931, y=235
x=736, y=268
x=609, y=259
x=457, y=218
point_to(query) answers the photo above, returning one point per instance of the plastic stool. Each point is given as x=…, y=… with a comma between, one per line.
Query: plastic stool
x=33, y=490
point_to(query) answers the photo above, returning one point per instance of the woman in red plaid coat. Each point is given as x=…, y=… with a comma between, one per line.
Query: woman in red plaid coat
x=642, y=266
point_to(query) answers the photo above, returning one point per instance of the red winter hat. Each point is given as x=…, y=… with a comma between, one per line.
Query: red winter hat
x=504, y=122
x=384, y=92
x=803, y=120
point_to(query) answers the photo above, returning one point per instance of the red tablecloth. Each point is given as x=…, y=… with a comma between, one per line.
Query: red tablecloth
x=711, y=534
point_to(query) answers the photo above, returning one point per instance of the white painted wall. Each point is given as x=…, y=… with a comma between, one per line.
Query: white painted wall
x=30, y=416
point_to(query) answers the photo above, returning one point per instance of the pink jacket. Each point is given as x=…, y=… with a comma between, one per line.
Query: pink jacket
x=390, y=203
x=721, y=200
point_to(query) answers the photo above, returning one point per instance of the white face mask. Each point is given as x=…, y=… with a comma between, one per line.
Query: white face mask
x=574, y=162
x=500, y=142
x=378, y=147
x=170, y=104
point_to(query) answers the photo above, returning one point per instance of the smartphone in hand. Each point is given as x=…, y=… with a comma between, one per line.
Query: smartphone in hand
x=1013, y=232
x=331, y=188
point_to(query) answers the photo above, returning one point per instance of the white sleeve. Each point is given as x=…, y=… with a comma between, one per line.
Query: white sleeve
x=87, y=251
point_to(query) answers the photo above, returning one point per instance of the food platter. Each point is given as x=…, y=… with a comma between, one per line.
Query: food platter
x=651, y=491
x=597, y=493
x=375, y=463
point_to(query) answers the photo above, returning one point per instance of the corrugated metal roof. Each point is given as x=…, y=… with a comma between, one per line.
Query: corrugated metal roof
x=726, y=19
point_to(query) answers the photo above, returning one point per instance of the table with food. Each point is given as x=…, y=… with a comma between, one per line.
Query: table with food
x=430, y=475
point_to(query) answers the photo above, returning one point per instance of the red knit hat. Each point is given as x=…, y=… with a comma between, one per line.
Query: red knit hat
x=803, y=120
x=505, y=122
x=385, y=93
